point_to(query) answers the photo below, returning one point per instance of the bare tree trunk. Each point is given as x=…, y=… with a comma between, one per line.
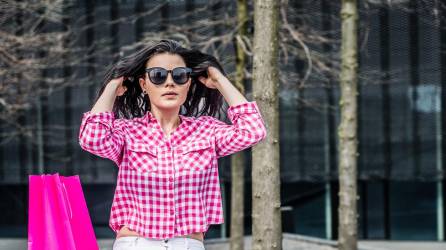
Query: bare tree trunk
x=238, y=159
x=237, y=201
x=266, y=212
x=348, y=129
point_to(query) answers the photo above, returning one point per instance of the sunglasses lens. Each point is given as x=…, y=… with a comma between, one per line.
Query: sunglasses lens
x=158, y=76
x=180, y=75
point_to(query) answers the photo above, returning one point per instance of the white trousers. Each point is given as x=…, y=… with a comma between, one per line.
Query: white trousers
x=141, y=243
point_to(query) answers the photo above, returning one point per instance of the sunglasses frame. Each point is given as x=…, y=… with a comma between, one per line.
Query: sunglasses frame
x=188, y=72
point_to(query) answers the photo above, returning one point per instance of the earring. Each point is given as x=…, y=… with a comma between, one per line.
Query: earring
x=144, y=92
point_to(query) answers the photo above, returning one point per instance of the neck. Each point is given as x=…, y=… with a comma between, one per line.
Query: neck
x=168, y=119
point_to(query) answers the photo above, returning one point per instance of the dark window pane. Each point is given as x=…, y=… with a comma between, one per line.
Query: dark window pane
x=413, y=210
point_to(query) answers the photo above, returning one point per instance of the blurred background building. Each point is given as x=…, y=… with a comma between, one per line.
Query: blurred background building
x=401, y=119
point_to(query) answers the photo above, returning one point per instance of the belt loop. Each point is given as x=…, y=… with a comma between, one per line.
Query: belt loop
x=186, y=240
x=136, y=241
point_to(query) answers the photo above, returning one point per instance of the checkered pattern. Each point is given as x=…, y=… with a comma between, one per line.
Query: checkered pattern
x=169, y=187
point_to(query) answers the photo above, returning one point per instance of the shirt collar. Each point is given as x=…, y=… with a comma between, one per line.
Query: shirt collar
x=149, y=117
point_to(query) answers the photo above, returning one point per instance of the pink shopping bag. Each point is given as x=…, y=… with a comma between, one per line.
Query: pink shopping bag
x=58, y=217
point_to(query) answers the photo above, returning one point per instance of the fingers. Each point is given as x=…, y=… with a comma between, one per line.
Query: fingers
x=117, y=81
x=202, y=79
x=120, y=88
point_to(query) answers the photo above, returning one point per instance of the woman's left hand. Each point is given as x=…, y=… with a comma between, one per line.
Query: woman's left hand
x=215, y=77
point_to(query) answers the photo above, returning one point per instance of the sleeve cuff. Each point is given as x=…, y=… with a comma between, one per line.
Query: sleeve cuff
x=104, y=117
x=242, y=108
x=99, y=116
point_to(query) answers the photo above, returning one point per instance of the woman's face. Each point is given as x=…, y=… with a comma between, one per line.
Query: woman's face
x=156, y=92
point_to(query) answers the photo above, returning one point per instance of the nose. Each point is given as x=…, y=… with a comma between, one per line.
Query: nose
x=169, y=79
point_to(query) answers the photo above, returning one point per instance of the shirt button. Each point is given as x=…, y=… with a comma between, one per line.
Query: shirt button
x=171, y=179
x=172, y=212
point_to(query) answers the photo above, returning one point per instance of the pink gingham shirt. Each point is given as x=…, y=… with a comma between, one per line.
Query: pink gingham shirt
x=169, y=187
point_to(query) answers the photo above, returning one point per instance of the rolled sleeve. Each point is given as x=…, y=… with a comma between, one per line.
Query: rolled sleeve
x=247, y=129
x=102, y=135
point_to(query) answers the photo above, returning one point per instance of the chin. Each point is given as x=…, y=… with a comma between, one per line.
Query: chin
x=172, y=105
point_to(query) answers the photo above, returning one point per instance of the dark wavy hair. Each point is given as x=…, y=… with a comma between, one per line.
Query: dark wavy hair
x=133, y=104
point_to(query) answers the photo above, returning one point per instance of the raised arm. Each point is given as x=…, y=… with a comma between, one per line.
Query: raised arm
x=100, y=133
x=247, y=127
x=246, y=130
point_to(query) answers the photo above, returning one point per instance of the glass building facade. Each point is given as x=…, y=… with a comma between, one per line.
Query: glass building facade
x=402, y=71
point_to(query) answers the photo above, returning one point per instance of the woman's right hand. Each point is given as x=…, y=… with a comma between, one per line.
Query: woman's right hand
x=117, y=84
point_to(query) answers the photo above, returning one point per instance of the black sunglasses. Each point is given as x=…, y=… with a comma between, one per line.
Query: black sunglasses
x=158, y=75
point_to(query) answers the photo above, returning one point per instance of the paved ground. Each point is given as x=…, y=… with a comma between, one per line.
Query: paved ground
x=407, y=245
x=290, y=242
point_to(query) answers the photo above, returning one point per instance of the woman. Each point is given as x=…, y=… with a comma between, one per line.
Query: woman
x=167, y=143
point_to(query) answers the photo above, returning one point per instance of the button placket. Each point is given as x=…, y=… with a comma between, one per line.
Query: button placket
x=172, y=173
x=172, y=177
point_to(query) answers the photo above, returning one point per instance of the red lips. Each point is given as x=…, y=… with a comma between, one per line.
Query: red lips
x=170, y=93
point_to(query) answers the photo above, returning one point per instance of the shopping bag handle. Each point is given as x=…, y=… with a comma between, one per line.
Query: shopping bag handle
x=67, y=201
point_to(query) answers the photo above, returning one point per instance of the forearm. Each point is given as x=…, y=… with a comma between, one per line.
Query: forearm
x=231, y=94
x=100, y=133
x=106, y=100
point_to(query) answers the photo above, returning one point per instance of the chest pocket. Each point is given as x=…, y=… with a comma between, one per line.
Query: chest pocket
x=142, y=157
x=197, y=155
